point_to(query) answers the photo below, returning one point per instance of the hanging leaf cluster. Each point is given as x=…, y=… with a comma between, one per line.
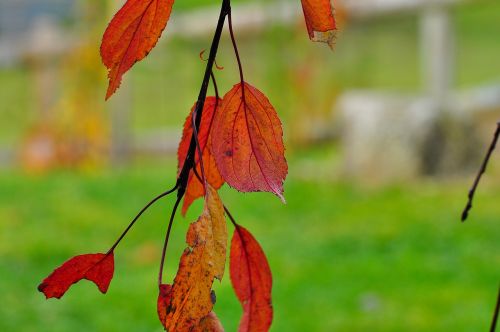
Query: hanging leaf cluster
x=235, y=139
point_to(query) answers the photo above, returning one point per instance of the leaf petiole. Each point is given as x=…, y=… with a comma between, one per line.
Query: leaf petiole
x=147, y=206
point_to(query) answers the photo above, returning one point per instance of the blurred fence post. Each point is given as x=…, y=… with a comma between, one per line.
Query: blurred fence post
x=431, y=132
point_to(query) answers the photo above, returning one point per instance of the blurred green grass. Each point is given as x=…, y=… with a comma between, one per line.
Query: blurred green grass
x=344, y=258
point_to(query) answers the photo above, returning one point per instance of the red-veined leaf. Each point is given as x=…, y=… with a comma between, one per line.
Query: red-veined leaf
x=204, y=259
x=195, y=188
x=131, y=35
x=247, y=142
x=97, y=268
x=252, y=281
x=320, y=20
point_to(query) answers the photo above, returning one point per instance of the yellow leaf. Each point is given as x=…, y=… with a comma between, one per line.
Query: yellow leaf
x=201, y=262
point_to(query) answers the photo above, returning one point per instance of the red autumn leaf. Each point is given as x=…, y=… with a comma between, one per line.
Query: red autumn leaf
x=320, y=20
x=247, y=142
x=131, y=35
x=194, y=188
x=202, y=262
x=252, y=281
x=97, y=268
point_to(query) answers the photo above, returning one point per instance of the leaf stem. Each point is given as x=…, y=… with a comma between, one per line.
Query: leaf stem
x=482, y=169
x=214, y=82
x=147, y=206
x=235, y=47
x=200, y=153
x=231, y=217
x=167, y=237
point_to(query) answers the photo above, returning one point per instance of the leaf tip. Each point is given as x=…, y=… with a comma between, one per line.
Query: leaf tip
x=112, y=87
x=41, y=288
x=283, y=200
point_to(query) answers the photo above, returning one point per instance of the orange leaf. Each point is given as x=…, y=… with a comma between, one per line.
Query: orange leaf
x=247, y=142
x=320, y=20
x=131, y=35
x=252, y=281
x=204, y=260
x=97, y=268
x=195, y=188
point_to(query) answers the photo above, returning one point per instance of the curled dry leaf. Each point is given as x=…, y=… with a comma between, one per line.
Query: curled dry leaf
x=247, y=142
x=97, y=268
x=209, y=323
x=131, y=35
x=164, y=297
x=252, y=281
x=195, y=188
x=204, y=259
x=320, y=20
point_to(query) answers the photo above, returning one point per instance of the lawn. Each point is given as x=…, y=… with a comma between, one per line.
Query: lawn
x=344, y=258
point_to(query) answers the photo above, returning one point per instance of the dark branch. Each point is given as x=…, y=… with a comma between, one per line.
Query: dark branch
x=472, y=190
x=495, y=313
x=189, y=162
x=190, y=157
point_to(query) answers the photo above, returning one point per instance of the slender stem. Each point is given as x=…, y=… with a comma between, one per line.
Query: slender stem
x=214, y=82
x=495, y=313
x=233, y=40
x=197, y=175
x=167, y=237
x=230, y=217
x=472, y=190
x=216, y=106
x=139, y=215
x=200, y=153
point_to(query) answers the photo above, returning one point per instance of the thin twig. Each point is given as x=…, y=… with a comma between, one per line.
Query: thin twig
x=495, y=313
x=200, y=153
x=472, y=190
x=230, y=217
x=154, y=200
x=216, y=90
